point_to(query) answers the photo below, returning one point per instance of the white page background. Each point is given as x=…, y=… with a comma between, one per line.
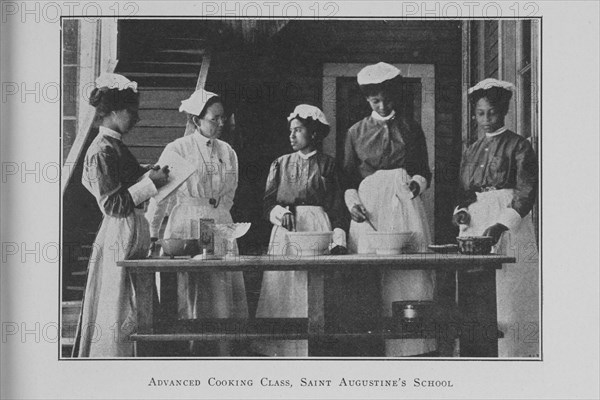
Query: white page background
x=30, y=206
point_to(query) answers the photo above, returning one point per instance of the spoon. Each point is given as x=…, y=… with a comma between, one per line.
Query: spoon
x=367, y=220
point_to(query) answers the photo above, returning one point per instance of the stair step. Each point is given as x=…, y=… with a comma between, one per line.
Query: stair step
x=199, y=52
x=76, y=288
x=162, y=118
x=165, y=99
x=154, y=81
x=152, y=136
x=71, y=310
x=146, y=146
x=161, y=67
x=171, y=42
x=159, y=75
x=189, y=39
x=79, y=273
x=147, y=155
x=173, y=56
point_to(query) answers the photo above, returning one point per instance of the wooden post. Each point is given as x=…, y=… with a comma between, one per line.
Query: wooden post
x=477, y=306
x=316, y=308
x=144, y=293
x=466, y=82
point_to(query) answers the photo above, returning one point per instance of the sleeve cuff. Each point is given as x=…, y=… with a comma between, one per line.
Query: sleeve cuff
x=510, y=218
x=339, y=237
x=421, y=181
x=151, y=216
x=142, y=190
x=277, y=213
x=351, y=198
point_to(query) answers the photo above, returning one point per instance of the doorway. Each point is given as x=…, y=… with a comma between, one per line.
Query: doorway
x=344, y=105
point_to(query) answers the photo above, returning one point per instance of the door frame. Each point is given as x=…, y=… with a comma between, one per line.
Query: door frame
x=426, y=73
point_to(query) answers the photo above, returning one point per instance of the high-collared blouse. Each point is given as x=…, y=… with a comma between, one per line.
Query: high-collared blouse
x=114, y=176
x=216, y=175
x=374, y=144
x=296, y=179
x=501, y=160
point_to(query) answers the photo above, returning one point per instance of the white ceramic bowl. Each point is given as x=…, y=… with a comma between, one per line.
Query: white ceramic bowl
x=389, y=243
x=308, y=244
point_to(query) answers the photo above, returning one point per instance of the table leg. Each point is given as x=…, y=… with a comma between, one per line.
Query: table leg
x=316, y=309
x=145, y=283
x=168, y=295
x=477, y=306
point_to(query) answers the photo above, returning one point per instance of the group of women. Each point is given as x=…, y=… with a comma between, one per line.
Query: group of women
x=385, y=171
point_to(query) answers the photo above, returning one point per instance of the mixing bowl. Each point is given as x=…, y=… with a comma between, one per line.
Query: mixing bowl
x=306, y=244
x=180, y=247
x=389, y=243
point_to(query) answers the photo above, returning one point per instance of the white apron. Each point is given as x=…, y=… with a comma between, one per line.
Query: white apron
x=517, y=285
x=284, y=294
x=386, y=197
x=205, y=295
x=108, y=315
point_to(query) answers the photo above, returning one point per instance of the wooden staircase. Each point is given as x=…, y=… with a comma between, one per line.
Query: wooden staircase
x=165, y=59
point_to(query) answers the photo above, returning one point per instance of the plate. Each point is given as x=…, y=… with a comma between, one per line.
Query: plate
x=207, y=257
x=387, y=252
x=443, y=248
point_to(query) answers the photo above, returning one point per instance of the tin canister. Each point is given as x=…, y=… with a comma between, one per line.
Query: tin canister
x=412, y=310
x=206, y=237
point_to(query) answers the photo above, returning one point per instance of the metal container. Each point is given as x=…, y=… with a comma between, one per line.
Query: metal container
x=412, y=310
x=475, y=245
x=206, y=236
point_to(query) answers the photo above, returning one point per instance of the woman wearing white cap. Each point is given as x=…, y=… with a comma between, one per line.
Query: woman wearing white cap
x=385, y=170
x=303, y=193
x=208, y=193
x=121, y=187
x=498, y=188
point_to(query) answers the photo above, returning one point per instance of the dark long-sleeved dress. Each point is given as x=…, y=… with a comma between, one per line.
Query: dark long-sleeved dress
x=503, y=161
x=298, y=181
x=308, y=186
x=373, y=145
x=498, y=184
x=381, y=158
x=113, y=175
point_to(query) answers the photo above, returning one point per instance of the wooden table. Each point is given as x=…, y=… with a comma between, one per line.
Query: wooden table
x=476, y=300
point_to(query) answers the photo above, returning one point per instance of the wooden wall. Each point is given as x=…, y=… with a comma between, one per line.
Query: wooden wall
x=263, y=84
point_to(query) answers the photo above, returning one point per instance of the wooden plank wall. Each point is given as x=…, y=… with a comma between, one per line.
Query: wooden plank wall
x=272, y=80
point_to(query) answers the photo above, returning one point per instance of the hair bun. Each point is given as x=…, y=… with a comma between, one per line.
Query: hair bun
x=95, y=97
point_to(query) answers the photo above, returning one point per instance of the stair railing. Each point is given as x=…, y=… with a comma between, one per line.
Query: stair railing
x=83, y=132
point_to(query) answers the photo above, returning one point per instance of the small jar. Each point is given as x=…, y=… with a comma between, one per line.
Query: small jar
x=409, y=312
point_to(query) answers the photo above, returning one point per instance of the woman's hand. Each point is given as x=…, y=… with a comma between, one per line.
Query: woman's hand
x=414, y=188
x=358, y=213
x=461, y=218
x=338, y=251
x=495, y=231
x=289, y=222
x=159, y=176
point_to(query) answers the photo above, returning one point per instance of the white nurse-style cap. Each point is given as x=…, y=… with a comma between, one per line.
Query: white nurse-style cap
x=305, y=110
x=491, y=83
x=377, y=73
x=196, y=102
x=115, y=81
